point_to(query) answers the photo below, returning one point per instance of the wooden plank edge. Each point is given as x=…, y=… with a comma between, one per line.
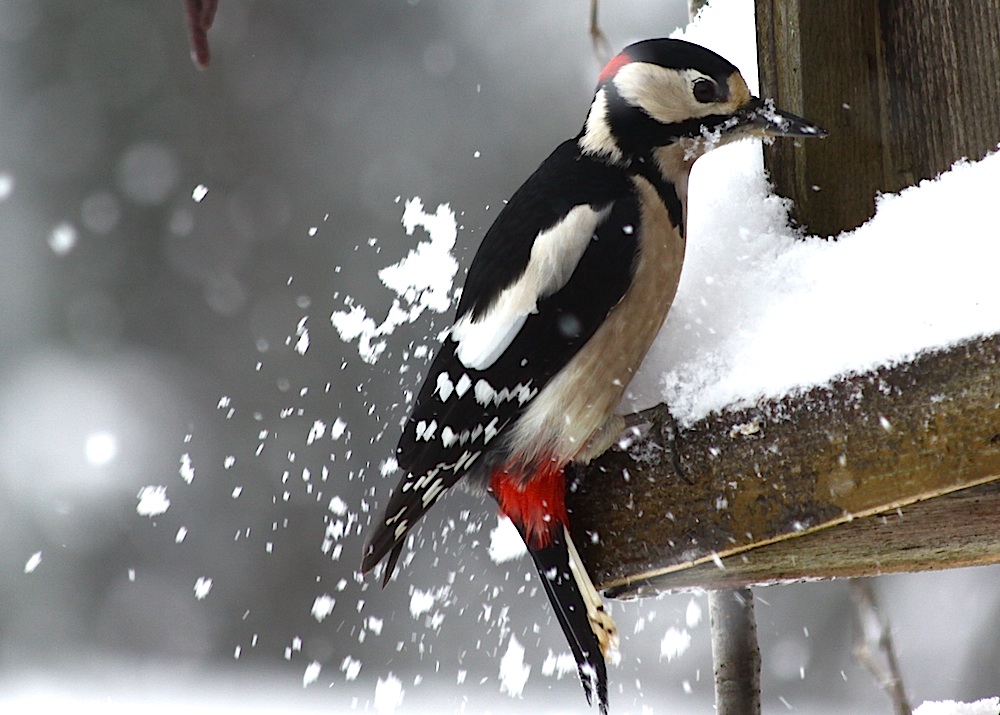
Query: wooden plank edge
x=953, y=530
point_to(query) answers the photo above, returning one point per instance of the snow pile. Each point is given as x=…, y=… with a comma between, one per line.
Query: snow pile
x=762, y=312
x=728, y=28
x=989, y=706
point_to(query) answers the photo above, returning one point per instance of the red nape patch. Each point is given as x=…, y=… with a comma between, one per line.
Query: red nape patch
x=611, y=69
x=534, y=499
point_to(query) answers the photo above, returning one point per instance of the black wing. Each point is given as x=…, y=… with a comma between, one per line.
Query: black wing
x=460, y=411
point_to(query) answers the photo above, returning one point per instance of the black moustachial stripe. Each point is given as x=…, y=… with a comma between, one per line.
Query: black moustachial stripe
x=646, y=167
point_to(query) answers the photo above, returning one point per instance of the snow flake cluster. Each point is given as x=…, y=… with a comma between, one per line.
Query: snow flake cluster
x=421, y=281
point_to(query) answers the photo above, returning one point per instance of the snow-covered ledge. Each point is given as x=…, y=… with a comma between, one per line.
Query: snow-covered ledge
x=787, y=489
x=825, y=390
x=839, y=401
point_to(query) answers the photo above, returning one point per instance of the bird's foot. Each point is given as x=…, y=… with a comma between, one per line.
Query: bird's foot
x=600, y=620
x=604, y=628
x=663, y=429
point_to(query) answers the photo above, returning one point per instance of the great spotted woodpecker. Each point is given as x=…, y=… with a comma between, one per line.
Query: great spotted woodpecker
x=563, y=299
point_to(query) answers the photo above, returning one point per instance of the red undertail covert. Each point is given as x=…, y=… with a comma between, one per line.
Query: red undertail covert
x=536, y=502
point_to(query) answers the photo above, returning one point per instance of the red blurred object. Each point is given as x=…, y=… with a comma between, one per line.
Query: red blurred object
x=201, y=14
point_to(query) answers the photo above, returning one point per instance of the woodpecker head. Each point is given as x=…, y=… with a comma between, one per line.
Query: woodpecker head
x=659, y=92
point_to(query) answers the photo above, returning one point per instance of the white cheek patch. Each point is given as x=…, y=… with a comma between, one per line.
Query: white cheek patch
x=665, y=94
x=555, y=254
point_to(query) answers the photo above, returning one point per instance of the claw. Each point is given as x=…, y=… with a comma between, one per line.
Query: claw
x=661, y=421
x=601, y=623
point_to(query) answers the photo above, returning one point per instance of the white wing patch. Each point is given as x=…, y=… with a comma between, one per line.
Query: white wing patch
x=554, y=256
x=446, y=388
x=463, y=385
x=426, y=430
x=481, y=342
x=430, y=486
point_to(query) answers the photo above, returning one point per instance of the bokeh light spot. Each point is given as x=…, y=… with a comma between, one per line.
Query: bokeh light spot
x=100, y=212
x=100, y=448
x=63, y=238
x=6, y=186
x=147, y=173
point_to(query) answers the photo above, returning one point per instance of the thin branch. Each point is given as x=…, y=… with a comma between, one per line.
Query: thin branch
x=873, y=646
x=201, y=15
x=602, y=47
x=735, y=652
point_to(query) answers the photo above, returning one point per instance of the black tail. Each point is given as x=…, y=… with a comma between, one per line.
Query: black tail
x=553, y=567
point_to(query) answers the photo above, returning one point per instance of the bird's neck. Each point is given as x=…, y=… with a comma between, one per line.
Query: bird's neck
x=667, y=169
x=673, y=162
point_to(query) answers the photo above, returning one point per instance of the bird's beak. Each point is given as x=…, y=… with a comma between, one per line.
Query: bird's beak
x=761, y=118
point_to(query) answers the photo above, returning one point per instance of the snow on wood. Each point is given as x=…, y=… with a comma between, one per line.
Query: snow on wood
x=816, y=382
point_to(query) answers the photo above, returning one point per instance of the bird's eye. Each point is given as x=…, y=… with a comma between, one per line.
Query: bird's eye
x=705, y=91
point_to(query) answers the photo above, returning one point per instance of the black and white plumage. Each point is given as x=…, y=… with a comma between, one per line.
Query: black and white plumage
x=563, y=299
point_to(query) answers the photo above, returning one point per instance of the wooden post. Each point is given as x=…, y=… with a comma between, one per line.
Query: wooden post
x=905, y=88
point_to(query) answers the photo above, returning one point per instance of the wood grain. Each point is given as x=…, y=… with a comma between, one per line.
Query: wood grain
x=905, y=88
x=784, y=469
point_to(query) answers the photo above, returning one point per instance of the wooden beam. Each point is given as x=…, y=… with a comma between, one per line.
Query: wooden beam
x=949, y=531
x=789, y=468
x=905, y=88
